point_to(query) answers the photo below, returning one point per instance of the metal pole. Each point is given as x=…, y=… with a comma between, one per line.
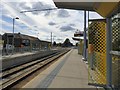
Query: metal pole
x=13, y=37
x=7, y=45
x=88, y=19
x=84, y=52
x=51, y=39
x=108, y=49
x=54, y=38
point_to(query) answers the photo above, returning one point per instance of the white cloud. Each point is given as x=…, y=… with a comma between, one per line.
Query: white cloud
x=46, y=21
x=94, y=15
x=17, y=28
x=63, y=13
x=67, y=28
x=52, y=23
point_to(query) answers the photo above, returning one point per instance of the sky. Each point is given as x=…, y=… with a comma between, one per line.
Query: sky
x=61, y=22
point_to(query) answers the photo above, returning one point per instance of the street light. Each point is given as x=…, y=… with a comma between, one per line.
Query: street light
x=13, y=34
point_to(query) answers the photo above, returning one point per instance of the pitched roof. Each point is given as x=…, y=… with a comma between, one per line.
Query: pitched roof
x=23, y=36
x=18, y=35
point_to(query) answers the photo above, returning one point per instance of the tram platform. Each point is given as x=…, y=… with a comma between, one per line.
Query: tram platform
x=10, y=61
x=70, y=71
x=17, y=55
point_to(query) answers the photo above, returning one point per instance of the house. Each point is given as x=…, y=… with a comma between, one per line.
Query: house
x=21, y=40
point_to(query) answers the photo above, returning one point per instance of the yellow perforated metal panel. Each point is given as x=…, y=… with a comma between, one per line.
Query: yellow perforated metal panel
x=116, y=50
x=97, y=55
x=80, y=47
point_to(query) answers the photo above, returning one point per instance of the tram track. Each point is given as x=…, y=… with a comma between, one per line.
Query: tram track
x=14, y=75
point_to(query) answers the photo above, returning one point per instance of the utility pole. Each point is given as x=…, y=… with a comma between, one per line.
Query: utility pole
x=54, y=38
x=51, y=39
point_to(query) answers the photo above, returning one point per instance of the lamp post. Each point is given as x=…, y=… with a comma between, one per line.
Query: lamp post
x=13, y=34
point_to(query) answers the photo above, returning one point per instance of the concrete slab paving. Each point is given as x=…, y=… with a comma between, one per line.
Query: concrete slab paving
x=35, y=83
x=73, y=74
x=68, y=72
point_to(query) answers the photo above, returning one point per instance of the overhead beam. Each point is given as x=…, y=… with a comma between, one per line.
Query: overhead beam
x=105, y=8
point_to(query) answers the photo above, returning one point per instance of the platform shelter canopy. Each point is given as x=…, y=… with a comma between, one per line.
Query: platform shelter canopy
x=103, y=7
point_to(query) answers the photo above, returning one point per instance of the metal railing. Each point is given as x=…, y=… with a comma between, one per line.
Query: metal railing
x=21, y=50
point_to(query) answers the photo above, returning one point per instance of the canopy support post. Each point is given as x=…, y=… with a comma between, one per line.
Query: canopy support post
x=108, y=49
x=85, y=40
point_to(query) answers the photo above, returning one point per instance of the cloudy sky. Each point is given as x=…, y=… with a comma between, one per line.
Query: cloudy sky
x=61, y=22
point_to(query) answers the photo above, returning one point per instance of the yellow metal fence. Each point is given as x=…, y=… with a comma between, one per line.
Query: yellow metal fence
x=97, y=52
x=80, y=47
x=116, y=50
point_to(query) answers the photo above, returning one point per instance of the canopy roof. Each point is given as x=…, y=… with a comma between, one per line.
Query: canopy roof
x=78, y=38
x=103, y=8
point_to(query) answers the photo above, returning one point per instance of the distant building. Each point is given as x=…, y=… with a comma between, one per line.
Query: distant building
x=21, y=40
x=1, y=42
x=45, y=44
x=78, y=33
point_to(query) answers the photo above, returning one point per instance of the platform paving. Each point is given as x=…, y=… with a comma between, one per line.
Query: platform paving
x=70, y=71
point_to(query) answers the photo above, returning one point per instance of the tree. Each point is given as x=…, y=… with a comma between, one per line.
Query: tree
x=54, y=43
x=59, y=44
x=67, y=43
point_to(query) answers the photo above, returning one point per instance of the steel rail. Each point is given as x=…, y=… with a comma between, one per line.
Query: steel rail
x=15, y=76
